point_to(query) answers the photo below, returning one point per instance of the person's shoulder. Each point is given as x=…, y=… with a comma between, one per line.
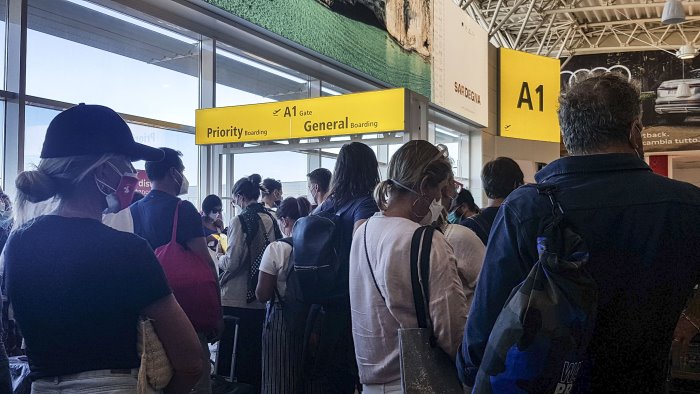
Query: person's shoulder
x=188, y=207
x=683, y=191
x=280, y=247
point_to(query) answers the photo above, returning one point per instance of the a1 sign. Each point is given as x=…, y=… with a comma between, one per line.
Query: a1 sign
x=529, y=92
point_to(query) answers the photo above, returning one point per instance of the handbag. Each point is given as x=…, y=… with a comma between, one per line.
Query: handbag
x=193, y=282
x=425, y=367
x=155, y=371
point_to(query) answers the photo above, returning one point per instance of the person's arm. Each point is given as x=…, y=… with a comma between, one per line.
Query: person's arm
x=448, y=304
x=506, y=264
x=179, y=341
x=365, y=210
x=266, y=287
x=270, y=265
x=232, y=261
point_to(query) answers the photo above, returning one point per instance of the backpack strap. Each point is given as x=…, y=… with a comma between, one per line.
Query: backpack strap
x=275, y=227
x=173, y=237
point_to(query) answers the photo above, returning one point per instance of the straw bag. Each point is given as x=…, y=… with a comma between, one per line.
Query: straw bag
x=155, y=371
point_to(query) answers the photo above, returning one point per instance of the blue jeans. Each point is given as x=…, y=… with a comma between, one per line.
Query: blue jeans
x=103, y=381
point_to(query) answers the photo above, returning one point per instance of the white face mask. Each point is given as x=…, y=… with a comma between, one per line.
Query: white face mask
x=213, y=216
x=435, y=209
x=184, y=185
x=435, y=212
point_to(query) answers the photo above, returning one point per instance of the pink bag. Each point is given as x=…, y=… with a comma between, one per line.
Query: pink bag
x=192, y=281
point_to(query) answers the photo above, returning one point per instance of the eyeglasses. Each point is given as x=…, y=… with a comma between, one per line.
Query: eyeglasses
x=217, y=210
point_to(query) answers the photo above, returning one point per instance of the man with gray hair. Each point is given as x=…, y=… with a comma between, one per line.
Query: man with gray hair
x=642, y=231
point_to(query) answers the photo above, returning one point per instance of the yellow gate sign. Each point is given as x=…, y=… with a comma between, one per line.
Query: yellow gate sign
x=359, y=113
x=529, y=93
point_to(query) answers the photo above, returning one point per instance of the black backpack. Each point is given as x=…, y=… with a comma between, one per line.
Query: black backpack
x=316, y=276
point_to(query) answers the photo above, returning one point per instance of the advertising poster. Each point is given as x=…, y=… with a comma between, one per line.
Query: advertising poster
x=460, y=63
x=388, y=40
x=670, y=94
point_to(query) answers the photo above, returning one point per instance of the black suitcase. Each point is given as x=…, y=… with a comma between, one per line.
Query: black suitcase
x=224, y=382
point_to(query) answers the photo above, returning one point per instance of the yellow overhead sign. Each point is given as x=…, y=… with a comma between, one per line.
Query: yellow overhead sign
x=359, y=113
x=529, y=92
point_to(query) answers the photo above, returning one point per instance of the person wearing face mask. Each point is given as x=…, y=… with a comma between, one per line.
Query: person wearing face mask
x=153, y=221
x=381, y=294
x=78, y=297
x=462, y=207
x=249, y=233
x=271, y=194
x=282, y=346
x=212, y=224
x=318, y=185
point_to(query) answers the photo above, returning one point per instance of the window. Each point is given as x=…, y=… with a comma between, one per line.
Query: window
x=78, y=51
x=36, y=122
x=243, y=79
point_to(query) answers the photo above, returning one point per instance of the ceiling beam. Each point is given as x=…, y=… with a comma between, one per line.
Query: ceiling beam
x=610, y=7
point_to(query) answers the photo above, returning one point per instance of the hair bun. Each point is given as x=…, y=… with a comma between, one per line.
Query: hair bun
x=255, y=178
x=36, y=186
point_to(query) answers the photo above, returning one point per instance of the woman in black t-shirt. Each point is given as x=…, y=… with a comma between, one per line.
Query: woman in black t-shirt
x=78, y=287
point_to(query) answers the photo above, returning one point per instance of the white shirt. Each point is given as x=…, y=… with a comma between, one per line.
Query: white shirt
x=469, y=251
x=374, y=321
x=275, y=261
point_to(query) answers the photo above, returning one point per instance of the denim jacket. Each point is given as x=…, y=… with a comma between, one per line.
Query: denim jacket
x=643, y=234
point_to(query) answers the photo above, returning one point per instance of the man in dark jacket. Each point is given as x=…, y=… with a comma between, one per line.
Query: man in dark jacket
x=642, y=231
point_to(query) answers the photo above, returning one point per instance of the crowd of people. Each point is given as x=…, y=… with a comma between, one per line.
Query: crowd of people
x=85, y=259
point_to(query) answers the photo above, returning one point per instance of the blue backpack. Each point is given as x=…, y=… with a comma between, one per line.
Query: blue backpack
x=539, y=341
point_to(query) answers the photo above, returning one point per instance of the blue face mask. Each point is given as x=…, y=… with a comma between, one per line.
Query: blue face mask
x=452, y=218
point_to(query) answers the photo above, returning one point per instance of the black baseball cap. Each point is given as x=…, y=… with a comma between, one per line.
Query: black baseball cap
x=93, y=130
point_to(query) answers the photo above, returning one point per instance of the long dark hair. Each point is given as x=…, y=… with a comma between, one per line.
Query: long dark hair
x=356, y=173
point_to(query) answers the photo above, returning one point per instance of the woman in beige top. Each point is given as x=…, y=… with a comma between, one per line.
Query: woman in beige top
x=419, y=175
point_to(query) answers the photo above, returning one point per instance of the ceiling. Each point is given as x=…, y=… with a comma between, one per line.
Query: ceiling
x=563, y=28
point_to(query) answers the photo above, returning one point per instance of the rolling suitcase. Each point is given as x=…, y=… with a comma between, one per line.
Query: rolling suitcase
x=224, y=377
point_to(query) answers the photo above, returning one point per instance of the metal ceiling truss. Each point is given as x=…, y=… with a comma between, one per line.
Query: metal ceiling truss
x=564, y=28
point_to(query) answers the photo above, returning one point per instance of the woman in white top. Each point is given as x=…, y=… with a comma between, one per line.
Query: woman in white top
x=282, y=344
x=419, y=178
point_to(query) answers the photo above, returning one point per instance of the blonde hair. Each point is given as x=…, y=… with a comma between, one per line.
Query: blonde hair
x=414, y=162
x=40, y=190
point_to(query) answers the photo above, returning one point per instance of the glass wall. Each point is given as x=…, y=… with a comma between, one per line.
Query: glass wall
x=78, y=51
x=149, y=70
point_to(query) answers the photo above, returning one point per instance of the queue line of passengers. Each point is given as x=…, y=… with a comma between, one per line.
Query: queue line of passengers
x=77, y=299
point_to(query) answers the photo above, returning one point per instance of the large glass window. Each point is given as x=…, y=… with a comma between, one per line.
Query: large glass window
x=79, y=51
x=243, y=79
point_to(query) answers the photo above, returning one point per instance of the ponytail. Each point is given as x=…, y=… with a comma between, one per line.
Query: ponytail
x=381, y=193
